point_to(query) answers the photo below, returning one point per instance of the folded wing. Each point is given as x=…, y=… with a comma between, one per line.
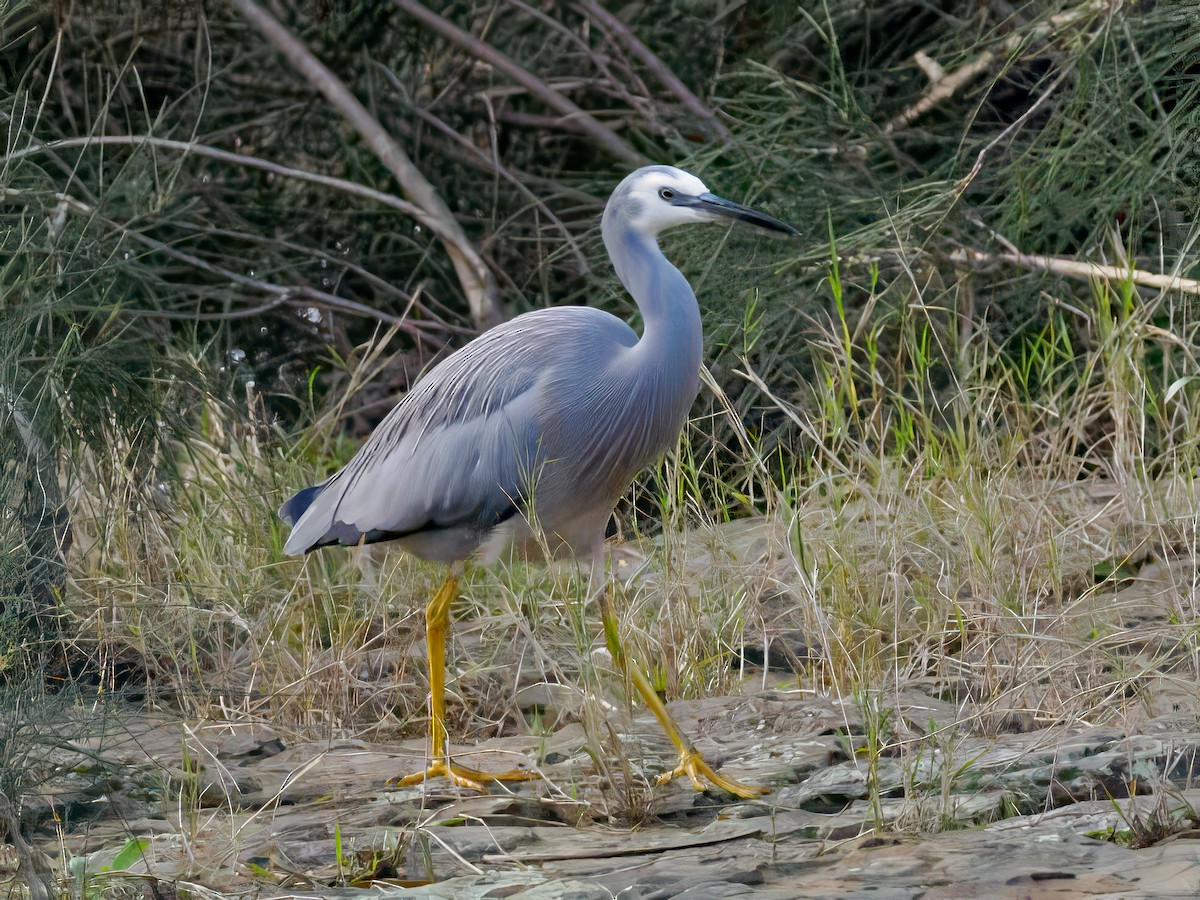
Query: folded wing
x=452, y=455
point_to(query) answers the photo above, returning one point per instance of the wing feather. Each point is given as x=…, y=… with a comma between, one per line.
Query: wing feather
x=457, y=450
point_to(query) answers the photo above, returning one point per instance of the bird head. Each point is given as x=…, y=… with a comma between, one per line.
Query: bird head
x=655, y=198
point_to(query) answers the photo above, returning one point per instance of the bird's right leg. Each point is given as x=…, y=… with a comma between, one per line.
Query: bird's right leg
x=691, y=763
x=437, y=624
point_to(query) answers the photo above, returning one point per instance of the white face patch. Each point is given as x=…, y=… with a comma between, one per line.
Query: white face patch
x=645, y=198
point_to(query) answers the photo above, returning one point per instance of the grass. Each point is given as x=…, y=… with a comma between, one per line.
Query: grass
x=913, y=535
x=917, y=545
x=975, y=546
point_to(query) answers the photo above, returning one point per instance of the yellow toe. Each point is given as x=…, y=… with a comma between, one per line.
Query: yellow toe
x=692, y=764
x=462, y=776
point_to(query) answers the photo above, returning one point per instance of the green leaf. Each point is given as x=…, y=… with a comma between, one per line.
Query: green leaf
x=129, y=854
x=1177, y=385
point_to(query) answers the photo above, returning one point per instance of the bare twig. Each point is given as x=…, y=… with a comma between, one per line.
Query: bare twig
x=295, y=295
x=477, y=281
x=608, y=83
x=433, y=320
x=941, y=86
x=483, y=161
x=229, y=316
x=253, y=162
x=1015, y=126
x=493, y=164
x=1019, y=123
x=572, y=115
x=536, y=120
x=666, y=77
x=1073, y=268
x=239, y=159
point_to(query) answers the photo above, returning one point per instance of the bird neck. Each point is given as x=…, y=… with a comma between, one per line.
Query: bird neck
x=672, y=338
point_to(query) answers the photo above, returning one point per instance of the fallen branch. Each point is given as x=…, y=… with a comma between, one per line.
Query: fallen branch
x=1073, y=268
x=476, y=279
x=32, y=864
x=572, y=115
x=941, y=86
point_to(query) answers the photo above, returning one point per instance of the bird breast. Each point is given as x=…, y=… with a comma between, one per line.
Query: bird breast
x=609, y=421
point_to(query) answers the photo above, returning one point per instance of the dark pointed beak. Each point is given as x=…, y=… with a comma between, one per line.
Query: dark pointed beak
x=721, y=207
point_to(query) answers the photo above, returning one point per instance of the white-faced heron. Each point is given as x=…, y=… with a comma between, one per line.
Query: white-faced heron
x=525, y=439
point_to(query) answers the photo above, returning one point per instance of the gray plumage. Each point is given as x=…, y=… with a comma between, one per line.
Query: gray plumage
x=527, y=436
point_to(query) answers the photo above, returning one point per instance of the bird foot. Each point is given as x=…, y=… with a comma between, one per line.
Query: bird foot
x=462, y=776
x=692, y=764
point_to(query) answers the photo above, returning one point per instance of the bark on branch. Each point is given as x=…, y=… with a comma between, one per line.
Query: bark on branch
x=1073, y=268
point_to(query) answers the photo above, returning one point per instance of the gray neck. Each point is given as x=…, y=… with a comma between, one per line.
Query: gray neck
x=672, y=342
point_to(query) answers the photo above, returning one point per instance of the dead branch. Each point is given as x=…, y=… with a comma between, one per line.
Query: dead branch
x=429, y=318
x=476, y=279
x=231, y=315
x=32, y=864
x=492, y=163
x=941, y=87
x=608, y=83
x=293, y=295
x=572, y=115
x=1073, y=268
x=239, y=159
x=666, y=77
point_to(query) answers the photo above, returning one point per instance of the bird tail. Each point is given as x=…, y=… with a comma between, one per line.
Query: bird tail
x=294, y=508
x=312, y=516
x=306, y=535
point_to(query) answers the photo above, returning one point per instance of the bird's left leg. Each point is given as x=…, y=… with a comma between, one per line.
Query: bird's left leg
x=691, y=763
x=437, y=624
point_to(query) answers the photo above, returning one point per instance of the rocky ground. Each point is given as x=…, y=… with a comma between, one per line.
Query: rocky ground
x=206, y=809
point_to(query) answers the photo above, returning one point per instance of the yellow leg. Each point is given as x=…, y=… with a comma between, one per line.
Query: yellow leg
x=437, y=624
x=691, y=763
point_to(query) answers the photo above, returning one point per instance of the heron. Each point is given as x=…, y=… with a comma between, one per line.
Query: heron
x=524, y=440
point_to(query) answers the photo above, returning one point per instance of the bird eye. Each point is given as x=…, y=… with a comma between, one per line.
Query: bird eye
x=666, y=194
